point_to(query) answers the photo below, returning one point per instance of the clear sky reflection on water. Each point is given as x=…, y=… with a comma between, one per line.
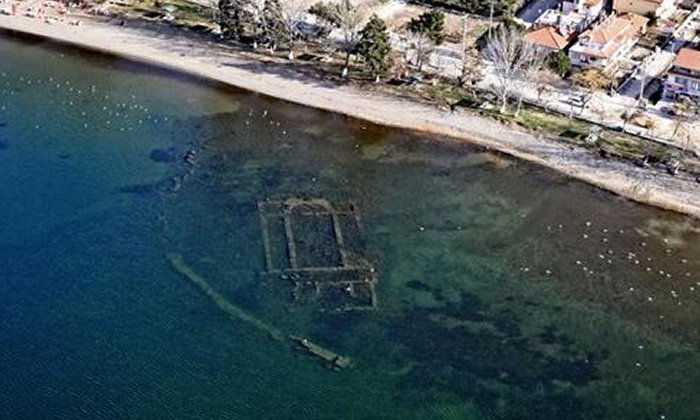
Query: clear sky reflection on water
x=505, y=291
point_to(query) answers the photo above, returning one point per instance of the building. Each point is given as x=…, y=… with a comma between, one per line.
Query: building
x=656, y=8
x=534, y=9
x=548, y=38
x=684, y=76
x=567, y=23
x=572, y=17
x=603, y=46
x=590, y=9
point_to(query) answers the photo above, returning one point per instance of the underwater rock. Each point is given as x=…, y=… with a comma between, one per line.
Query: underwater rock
x=190, y=157
x=163, y=155
x=3, y=144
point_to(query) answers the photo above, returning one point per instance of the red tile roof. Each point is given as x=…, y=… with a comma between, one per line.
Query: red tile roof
x=548, y=37
x=611, y=34
x=688, y=59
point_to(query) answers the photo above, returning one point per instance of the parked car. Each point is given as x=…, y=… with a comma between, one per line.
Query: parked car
x=575, y=101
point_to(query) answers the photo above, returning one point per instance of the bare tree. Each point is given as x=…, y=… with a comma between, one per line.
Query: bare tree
x=213, y=6
x=350, y=19
x=686, y=112
x=257, y=13
x=509, y=57
x=532, y=72
x=421, y=47
x=426, y=32
x=292, y=16
x=471, y=70
x=283, y=21
x=545, y=81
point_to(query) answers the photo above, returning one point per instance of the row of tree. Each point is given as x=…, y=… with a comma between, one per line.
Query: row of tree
x=269, y=22
x=505, y=8
x=514, y=63
x=278, y=24
x=517, y=65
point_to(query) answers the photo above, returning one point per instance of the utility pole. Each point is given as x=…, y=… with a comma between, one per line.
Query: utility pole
x=464, y=37
x=491, y=18
x=464, y=48
x=643, y=74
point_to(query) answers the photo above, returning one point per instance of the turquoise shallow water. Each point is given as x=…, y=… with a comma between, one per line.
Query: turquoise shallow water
x=505, y=291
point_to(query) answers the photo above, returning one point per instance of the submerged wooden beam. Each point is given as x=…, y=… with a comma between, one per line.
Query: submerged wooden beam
x=334, y=359
x=219, y=300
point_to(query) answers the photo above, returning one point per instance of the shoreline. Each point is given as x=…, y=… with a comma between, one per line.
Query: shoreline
x=217, y=63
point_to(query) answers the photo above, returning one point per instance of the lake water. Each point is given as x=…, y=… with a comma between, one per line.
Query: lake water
x=504, y=291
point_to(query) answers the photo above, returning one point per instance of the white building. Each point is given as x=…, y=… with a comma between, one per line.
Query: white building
x=603, y=46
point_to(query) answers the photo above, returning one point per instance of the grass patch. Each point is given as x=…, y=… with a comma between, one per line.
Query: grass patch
x=186, y=13
x=539, y=120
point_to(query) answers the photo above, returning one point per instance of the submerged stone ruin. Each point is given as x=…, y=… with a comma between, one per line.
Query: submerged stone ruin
x=318, y=250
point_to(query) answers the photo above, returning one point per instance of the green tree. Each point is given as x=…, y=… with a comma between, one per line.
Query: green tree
x=274, y=31
x=347, y=18
x=430, y=24
x=374, y=46
x=324, y=12
x=232, y=15
x=559, y=62
x=427, y=31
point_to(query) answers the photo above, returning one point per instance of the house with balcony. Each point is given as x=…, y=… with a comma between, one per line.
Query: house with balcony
x=605, y=45
x=557, y=27
x=684, y=76
x=656, y=8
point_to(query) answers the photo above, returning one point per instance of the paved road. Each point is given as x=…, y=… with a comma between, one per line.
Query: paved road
x=654, y=67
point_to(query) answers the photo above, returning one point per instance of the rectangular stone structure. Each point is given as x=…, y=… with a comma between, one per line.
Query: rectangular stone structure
x=318, y=248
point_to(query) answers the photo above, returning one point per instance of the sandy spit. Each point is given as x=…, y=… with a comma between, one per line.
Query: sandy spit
x=218, y=63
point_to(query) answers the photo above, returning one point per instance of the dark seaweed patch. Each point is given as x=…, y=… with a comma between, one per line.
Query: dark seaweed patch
x=477, y=363
x=163, y=155
x=419, y=285
x=424, y=287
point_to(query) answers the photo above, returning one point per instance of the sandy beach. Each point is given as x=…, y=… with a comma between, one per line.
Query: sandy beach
x=219, y=63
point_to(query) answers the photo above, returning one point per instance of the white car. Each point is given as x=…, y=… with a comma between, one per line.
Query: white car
x=575, y=100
